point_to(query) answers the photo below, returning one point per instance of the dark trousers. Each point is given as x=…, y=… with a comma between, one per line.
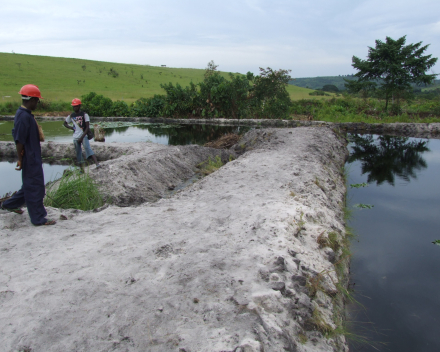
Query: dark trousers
x=32, y=193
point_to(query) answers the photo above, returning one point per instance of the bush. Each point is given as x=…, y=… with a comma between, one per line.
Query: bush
x=47, y=105
x=9, y=108
x=318, y=93
x=97, y=105
x=120, y=108
x=305, y=106
x=181, y=102
x=151, y=107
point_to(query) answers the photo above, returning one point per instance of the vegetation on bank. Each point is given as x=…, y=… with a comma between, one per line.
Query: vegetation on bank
x=209, y=93
x=74, y=190
x=345, y=108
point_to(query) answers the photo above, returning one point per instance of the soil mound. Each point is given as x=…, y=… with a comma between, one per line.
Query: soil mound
x=230, y=263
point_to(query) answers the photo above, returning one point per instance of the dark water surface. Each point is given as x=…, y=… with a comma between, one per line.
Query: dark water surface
x=395, y=267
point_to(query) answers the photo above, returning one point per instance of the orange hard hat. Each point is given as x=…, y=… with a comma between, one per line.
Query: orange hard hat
x=30, y=90
x=76, y=102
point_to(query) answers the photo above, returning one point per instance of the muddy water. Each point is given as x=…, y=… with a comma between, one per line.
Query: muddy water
x=395, y=266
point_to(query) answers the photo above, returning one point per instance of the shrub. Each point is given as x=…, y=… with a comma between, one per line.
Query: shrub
x=181, y=102
x=97, y=105
x=151, y=107
x=120, y=108
x=9, y=107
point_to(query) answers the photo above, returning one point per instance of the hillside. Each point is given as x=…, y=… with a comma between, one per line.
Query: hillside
x=64, y=78
x=338, y=81
x=319, y=82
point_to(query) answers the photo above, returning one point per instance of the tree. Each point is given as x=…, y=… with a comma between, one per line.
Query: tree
x=394, y=66
x=210, y=69
x=330, y=88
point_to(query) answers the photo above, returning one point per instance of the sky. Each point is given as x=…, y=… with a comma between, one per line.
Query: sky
x=310, y=38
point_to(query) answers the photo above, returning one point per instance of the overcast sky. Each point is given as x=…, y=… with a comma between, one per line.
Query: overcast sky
x=312, y=38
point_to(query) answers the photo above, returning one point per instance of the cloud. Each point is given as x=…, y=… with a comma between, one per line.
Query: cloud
x=312, y=39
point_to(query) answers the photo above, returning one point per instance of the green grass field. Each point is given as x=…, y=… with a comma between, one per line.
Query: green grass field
x=63, y=79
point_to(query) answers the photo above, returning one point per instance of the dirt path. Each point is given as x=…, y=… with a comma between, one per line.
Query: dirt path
x=220, y=266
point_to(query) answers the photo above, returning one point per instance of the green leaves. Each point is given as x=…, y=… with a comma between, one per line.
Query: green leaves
x=393, y=66
x=358, y=185
x=437, y=242
x=364, y=206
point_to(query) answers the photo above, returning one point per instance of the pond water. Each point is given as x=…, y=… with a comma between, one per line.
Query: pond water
x=11, y=179
x=395, y=267
x=135, y=132
x=114, y=132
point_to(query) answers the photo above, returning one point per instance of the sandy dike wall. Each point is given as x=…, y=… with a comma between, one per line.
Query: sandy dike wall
x=227, y=264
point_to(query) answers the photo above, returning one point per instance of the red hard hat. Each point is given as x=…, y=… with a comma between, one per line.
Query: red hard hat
x=76, y=102
x=30, y=90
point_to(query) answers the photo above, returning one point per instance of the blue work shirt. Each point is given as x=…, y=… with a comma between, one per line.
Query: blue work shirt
x=25, y=131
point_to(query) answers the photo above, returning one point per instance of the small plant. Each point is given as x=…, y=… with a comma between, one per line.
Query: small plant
x=301, y=222
x=322, y=240
x=209, y=166
x=292, y=194
x=302, y=338
x=363, y=206
x=319, y=184
x=112, y=72
x=437, y=242
x=333, y=241
x=320, y=323
x=358, y=185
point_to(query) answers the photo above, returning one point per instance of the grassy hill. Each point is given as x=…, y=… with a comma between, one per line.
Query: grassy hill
x=64, y=79
x=319, y=82
x=338, y=81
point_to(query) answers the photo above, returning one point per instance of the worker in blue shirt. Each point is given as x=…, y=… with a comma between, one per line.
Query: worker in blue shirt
x=27, y=135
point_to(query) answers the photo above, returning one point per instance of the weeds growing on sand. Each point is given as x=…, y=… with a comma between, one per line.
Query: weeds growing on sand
x=209, y=166
x=74, y=190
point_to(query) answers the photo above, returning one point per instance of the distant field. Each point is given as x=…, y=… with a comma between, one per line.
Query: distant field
x=64, y=79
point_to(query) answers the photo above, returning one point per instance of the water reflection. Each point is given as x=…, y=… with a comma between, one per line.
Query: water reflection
x=135, y=132
x=385, y=157
x=169, y=134
x=395, y=266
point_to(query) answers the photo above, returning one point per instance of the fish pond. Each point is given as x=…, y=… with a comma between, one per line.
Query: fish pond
x=394, y=192
x=114, y=132
x=394, y=195
x=135, y=132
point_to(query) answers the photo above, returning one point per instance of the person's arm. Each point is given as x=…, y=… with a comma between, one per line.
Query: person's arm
x=20, y=153
x=68, y=126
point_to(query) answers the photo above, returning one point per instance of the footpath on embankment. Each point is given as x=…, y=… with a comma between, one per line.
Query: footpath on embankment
x=239, y=261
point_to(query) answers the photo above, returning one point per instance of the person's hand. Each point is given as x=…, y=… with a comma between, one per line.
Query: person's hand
x=80, y=140
x=18, y=168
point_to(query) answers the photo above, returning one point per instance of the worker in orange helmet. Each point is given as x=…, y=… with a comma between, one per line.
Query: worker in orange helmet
x=80, y=127
x=27, y=137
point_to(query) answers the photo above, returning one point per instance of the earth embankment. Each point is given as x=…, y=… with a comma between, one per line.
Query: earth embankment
x=234, y=262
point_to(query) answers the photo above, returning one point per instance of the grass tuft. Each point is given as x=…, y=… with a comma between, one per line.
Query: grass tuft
x=74, y=190
x=209, y=166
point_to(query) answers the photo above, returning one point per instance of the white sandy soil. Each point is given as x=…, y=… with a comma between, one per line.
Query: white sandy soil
x=222, y=265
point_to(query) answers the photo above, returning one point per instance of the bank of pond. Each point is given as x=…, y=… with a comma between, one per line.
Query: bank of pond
x=394, y=194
